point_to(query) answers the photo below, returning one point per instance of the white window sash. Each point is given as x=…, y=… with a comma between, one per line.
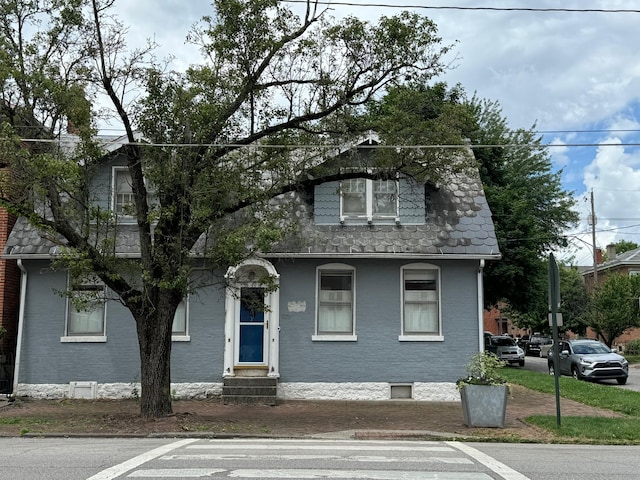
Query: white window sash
x=366, y=198
x=335, y=318
x=421, y=311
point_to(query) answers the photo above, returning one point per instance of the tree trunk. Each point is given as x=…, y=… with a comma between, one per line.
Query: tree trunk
x=154, y=339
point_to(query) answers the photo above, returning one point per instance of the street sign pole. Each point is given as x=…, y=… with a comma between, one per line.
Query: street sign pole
x=554, y=304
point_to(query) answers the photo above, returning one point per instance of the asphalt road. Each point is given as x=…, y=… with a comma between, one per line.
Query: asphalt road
x=537, y=364
x=108, y=459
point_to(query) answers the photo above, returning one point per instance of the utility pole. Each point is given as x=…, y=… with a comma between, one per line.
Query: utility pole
x=592, y=220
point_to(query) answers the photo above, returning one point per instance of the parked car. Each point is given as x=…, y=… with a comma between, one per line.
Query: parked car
x=505, y=348
x=589, y=360
x=545, y=349
x=534, y=344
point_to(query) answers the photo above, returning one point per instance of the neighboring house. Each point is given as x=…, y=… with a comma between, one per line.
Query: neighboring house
x=9, y=293
x=627, y=263
x=379, y=296
x=498, y=322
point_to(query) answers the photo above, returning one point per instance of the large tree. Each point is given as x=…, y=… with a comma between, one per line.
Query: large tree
x=613, y=307
x=531, y=211
x=220, y=139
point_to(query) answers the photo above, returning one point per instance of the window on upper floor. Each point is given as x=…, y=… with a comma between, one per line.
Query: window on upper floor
x=122, y=192
x=421, y=318
x=335, y=311
x=86, y=311
x=180, y=327
x=365, y=198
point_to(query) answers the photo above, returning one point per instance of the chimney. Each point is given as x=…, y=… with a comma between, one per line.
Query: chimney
x=611, y=252
x=598, y=256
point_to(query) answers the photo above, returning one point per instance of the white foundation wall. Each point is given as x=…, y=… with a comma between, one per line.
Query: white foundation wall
x=366, y=391
x=119, y=390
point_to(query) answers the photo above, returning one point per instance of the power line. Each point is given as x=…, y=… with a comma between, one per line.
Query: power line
x=371, y=147
x=490, y=9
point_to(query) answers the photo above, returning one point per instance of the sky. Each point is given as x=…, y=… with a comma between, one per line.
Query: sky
x=574, y=75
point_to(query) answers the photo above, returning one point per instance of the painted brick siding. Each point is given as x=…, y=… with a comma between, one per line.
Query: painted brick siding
x=378, y=355
x=46, y=359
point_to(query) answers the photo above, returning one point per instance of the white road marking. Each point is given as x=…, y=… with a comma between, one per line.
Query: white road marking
x=357, y=474
x=176, y=473
x=124, y=467
x=355, y=458
x=269, y=446
x=491, y=463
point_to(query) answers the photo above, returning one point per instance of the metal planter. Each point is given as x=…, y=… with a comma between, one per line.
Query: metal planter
x=484, y=405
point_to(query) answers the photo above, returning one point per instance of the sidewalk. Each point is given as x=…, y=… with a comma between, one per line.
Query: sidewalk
x=323, y=419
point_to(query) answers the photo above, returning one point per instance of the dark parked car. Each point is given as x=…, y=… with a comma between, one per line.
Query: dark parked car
x=589, y=360
x=505, y=348
x=534, y=344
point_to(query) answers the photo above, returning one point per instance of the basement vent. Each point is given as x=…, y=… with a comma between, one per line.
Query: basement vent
x=83, y=390
x=401, y=391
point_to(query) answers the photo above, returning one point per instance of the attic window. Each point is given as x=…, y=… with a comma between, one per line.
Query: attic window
x=365, y=198
x=122, y=192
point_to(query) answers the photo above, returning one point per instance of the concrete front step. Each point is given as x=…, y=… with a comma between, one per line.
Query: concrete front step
x=249, y=391
x=249, y=400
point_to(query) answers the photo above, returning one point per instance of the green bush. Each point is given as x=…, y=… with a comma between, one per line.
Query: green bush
x=632, y=347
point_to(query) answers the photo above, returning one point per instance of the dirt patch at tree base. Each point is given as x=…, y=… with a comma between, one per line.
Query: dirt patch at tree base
x=386, y=419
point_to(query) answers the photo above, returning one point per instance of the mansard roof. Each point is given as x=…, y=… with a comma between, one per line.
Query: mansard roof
x=457, y=224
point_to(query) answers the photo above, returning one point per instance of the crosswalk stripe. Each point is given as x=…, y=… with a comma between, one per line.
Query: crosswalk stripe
x=500, y=468
x=265, y=446
x=355, y=458
x=120, y=469
x=310, y=474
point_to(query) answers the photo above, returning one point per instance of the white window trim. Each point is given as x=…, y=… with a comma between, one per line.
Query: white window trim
x=421, y=337
x=333, y=337
x=66, y=338
x=369, y=216
x=186, y=337
x=84, y=339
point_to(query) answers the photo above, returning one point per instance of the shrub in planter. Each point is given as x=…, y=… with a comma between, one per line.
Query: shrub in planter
x=484, y=392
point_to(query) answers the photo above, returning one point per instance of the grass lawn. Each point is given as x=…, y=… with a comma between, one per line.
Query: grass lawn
x=595, y=429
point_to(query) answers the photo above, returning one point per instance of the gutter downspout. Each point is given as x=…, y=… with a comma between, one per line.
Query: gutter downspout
x=23, y=295
x=481, y=306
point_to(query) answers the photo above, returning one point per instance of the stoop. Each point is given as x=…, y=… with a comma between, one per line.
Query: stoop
x=249, y=391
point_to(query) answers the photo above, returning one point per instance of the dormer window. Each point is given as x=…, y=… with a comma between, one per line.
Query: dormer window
x=365, y=198
x=122, y=192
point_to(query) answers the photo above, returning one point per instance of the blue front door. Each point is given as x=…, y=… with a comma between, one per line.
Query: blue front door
x=252, y=325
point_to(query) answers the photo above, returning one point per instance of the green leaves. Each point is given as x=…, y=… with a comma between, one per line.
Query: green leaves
x=614, y=307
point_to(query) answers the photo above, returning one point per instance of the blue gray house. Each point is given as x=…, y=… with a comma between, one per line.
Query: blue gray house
x=379, y=296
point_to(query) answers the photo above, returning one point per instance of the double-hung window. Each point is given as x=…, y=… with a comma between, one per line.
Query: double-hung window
x=180, y=327
x=335, y=311
x=86, y=309
x=122, y=192
x=369, y=199
x=421, y=318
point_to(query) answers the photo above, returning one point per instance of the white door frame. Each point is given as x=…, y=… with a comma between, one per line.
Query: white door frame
x=245, y=274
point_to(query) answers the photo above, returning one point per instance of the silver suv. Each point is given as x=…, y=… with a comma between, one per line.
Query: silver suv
x=505, y=348
x=589, y=360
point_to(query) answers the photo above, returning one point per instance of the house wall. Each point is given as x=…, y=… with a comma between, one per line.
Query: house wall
x=377, y=357
x=47, y=360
